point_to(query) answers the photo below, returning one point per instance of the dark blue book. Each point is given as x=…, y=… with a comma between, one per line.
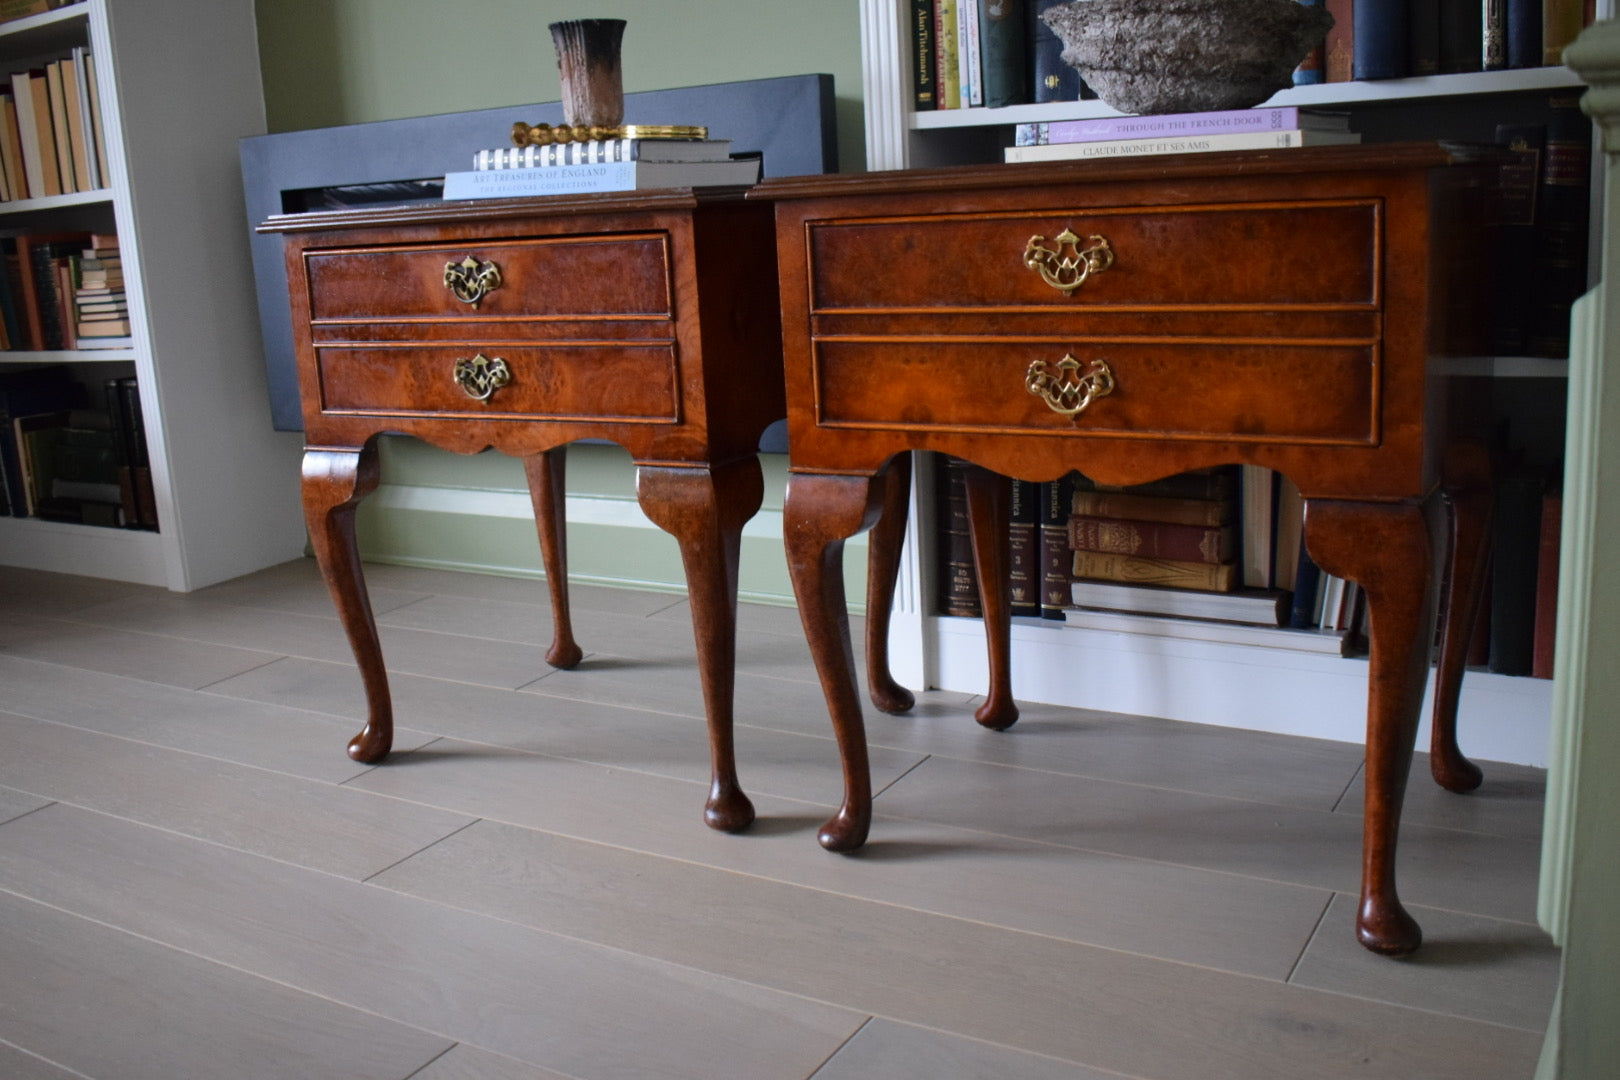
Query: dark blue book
x=1423, y=40
x=1523, y=33
x=1307, y=582
x=1383, y=39
x=1052, y=78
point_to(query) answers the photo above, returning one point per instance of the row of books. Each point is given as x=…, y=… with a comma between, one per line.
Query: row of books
x=993, y=53
x=63, y=290
x=1396, y=39
x=611, y=164
x=65, y=456
x=1226, y=545
x=51, y=138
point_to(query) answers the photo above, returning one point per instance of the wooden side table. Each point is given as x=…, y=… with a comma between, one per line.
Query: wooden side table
x=1134, y=319
x=646, y=318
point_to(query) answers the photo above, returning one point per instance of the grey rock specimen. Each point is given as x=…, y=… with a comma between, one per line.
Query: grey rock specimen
x=1162, y=56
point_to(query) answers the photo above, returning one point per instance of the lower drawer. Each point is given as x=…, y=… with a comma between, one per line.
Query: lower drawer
x=1293, y=392
x=563, y=381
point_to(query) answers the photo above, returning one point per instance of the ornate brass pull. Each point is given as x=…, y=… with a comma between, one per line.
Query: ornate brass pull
x=1067, y=266
x=470, y=280
x=480, y=377
x=1065, y=390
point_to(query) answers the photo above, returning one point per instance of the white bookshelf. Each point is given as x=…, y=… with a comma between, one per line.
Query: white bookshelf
x=178, y=85
x=1138, y=665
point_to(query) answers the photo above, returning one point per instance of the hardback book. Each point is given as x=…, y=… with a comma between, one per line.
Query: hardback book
x=73, y=122
x=1136, y=570
x=1515, y=542
x=1257, y=607
x=608, y=176
x=94, y=173
x=1024, y=564
x=1517, y=194
x=1311, y=69
x=1221, y=122
x=948, y=81
x=1462, y=36
x=57, y=96
x=1003, y=52
x=1306, y=610
x=11, y=160
x=1288, y=540
x=36, y=163
x=1180, y=144
x=1051, y=77
x=969, y=61
x=1561, y=22
x=1558, y=270
x=1493, y=35
x=1383, y=39
x=923, y=71
x=128, y=394
x=1257, y=517
x=1423, y=37
x=1339, y=47
x=1135, y=507
x=1054, y=500
x=597, y=151
x=1544, y=634
x=959, y=577
x=1154, y=539
x=1524, y=33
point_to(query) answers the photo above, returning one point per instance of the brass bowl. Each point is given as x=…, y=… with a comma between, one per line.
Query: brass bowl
x=1142, y=56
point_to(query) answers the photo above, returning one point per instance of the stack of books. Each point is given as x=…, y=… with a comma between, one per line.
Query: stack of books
x=1178, y=133
x=1180, y=531
x=100, y=305
x=632, y=158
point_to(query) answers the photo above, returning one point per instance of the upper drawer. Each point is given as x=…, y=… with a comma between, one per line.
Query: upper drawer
x=1272, y=255
x=571, y=277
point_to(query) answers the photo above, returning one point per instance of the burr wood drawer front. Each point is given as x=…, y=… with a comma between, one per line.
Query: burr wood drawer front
x=624, y=383
x=573, y=277
x=1277, y=392
x=1273, y=255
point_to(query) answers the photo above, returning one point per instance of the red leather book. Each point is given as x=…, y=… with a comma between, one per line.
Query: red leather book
x=1153, y=539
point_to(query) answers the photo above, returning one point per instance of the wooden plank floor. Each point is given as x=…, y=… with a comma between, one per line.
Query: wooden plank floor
x=195, y=882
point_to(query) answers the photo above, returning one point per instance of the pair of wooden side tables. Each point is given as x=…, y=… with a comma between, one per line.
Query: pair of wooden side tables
x=1129, y=319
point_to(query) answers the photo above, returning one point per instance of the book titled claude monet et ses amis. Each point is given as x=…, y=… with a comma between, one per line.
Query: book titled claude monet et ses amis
x=1179, y=144
x=1224, y=122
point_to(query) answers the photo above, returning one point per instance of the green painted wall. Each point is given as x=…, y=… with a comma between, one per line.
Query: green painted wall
x=332, y=62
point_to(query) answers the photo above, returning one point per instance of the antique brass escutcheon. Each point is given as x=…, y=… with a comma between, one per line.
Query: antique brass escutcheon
x=480, y=377
x=1065, y=390
x=1067, y=266
x=470, y=280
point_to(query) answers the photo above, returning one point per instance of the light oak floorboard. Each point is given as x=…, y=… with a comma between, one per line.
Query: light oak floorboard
x=1509, y=803
x=325, y=826
x=285, y=740
x=883, y=1050
x=1447, y=868
x=1488, y=969
x=155, y=658
x=160, y=1013
x=554, y=1001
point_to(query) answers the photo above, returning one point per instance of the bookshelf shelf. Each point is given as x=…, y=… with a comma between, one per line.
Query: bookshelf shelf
x=177, y=85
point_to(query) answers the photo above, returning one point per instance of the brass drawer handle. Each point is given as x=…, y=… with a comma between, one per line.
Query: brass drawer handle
x=480, y=377
x=470, y=280
x=1067, y=266
x=1065, y=390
